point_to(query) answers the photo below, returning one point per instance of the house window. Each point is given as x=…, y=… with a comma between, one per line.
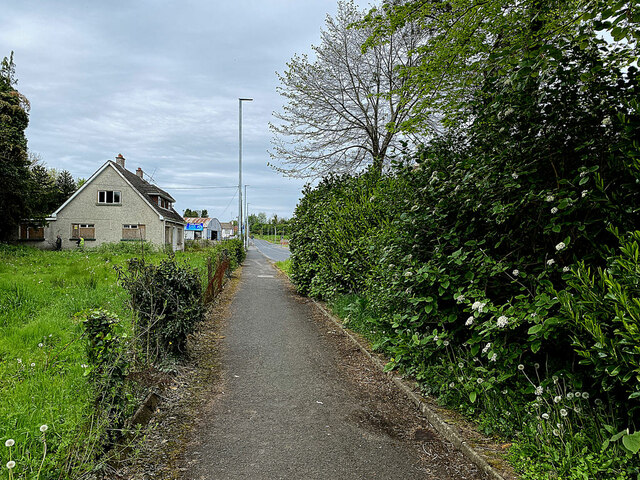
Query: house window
x=132, y=231
x=84, y=230
x=180, y=235
x=164, y=203
x=29, y=232
x=110, y=197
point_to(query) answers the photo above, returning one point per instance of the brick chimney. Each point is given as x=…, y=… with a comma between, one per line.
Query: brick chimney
x=139, y=172
x=120, y=160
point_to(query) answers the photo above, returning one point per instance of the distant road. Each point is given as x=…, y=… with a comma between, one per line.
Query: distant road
x=277, y=253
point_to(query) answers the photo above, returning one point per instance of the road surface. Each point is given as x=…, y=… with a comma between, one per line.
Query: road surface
x=277, y=253
x=289, y=410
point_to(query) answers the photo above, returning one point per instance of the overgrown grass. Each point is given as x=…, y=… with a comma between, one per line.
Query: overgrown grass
x=43, y=362
x=285, y=266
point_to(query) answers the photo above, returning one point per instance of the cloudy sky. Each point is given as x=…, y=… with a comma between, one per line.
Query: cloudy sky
x=159, y=82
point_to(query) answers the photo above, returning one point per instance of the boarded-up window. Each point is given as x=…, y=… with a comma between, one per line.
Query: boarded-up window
x=168, y=235
x=133, y=232
x=83, y=230
x=180, y=235
x=29, y=232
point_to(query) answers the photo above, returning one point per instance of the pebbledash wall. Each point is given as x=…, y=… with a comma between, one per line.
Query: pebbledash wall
x=109, y=220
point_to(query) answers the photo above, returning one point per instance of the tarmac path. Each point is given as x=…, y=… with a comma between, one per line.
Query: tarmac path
x=287, y=411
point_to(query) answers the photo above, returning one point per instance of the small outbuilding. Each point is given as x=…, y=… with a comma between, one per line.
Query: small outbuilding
x=202, y=228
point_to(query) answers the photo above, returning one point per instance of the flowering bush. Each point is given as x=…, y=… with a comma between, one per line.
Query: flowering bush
x=473, y=256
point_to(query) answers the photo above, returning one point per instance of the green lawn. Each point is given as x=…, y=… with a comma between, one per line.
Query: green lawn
x=42, y=355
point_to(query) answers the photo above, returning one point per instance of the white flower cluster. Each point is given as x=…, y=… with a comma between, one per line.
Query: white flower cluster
x=516, y=272
x=486, y=347
x=560, y=246
x=469, y=321
x=503, y=321
x=479, y=306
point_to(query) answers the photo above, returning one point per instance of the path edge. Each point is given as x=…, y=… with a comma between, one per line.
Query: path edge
x=440, y=425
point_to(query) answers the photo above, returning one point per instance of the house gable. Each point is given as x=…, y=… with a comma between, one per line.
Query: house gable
x=114, y=205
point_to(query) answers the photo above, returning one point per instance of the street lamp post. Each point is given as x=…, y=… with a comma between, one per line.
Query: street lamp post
x=240, y=219
x=246, y=217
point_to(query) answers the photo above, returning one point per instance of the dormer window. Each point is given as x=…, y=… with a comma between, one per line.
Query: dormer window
x=109, y=197
x=164, y=203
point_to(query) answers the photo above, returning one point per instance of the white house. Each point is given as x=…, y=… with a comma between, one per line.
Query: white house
x=113, y=205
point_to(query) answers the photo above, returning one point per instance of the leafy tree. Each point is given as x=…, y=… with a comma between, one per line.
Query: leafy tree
x=204, y=213
x=470, y=41
x=188, y=213
x=14, y=162
x=342, y=112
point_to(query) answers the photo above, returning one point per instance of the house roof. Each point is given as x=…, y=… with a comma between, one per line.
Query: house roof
x=203, y=220
x=141, y=186
x=147, y=189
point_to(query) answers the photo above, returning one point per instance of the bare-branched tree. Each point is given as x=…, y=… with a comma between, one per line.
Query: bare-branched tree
x=344, y=107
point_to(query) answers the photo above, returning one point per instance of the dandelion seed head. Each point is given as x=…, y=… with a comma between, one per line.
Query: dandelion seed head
x=451, y=385
x=10, y=443
x=557, y=399
x=43, y=428
x=460, y=365
x=480, y=380
x=446, y=343
x=11, y=464
x=521, y=367
x=33, y=364
x=585, y=395
x=40, y=345
x=545, y=416
x=556, y=432
x=563, y=412
x=539, y=391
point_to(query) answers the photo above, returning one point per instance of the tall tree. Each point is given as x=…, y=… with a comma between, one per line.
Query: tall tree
x=14, y=162
x=470, y=41
x=66, y=186
x=343, y=111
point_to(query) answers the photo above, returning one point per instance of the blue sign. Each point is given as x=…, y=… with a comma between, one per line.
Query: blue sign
x=198, y=227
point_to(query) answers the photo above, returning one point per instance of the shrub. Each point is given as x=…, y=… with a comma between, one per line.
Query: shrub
x=167, y=299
